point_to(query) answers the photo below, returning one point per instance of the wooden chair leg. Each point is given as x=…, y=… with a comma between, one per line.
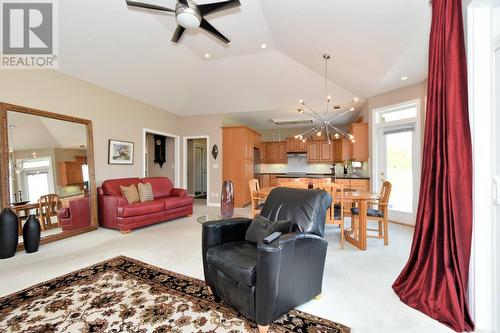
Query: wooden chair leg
x=263, y=329
x=342, y=234
x=386, y=232
x=380, y=231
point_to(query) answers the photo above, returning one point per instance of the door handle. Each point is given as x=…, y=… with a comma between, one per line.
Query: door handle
x=496, y=190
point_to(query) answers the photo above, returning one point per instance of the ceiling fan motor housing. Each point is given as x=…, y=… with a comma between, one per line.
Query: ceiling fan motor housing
x=189, y=16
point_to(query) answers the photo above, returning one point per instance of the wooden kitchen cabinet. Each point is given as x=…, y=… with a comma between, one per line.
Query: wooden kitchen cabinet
x=362, y=185
x=342, y=150
x=273, y=180
x=265, y=180
x=360, y=146
x=70, y=173
x=238, y=143
x=295, y=146
x=319, y=152
x=276, y=152
x=262, y=152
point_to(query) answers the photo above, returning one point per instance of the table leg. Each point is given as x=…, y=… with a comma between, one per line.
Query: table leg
x=362, y=224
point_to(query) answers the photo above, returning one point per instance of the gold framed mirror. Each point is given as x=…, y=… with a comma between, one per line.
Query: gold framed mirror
x=47, y=170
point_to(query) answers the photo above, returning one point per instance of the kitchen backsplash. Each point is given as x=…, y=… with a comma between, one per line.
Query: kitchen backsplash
x=298, y=164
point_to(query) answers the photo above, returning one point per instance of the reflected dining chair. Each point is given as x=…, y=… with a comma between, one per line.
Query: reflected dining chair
x=378, y=211
x=335, y=214
x=256, y=199
x=48, y=205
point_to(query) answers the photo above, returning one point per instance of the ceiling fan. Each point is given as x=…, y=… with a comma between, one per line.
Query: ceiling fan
x=189, y=15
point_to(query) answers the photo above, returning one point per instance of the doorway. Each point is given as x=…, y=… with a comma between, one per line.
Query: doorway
x=196, y=167
x=203, y=171
x=167, y=147
x=397, y=157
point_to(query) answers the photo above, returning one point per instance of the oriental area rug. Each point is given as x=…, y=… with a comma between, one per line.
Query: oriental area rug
x=126, y=295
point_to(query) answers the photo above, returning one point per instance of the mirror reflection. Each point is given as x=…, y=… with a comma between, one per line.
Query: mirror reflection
x=48, y=173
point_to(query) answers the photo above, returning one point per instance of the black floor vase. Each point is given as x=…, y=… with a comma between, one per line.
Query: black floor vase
x=31, y=234
x=8, y=233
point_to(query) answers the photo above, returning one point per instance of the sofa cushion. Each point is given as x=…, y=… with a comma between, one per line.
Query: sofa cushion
x=130, y=193
x=236, y=260
x=162, y=186
x=112, y=186
x=141, y=208
x=145, y=192
x=176, y=202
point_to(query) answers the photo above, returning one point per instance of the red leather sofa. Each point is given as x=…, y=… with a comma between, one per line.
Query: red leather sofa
x=116, y=213
x=76, y=216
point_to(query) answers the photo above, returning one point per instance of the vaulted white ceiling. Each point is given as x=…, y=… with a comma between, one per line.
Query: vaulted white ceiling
x=372, y=42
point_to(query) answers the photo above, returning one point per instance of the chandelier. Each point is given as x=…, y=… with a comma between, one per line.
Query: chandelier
x=325, y=120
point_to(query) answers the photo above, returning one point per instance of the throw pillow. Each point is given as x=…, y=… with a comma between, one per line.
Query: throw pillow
x=145, y=192
x=130, y=193
x=261, y=227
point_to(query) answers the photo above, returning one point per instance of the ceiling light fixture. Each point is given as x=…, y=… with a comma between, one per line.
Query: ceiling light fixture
x=263, y=46
x=207, y=55
x=404, y=78
x=325, y=119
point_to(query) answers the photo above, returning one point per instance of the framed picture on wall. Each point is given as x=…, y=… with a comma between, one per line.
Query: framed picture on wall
x=120, y=152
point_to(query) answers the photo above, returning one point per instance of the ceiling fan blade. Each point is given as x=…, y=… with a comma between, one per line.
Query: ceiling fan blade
x=177, y=34
x=210, y=8
x=148, y=6
x=208, y=27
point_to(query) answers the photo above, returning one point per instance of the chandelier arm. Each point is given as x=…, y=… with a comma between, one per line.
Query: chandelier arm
x=310, y=109
x=339, y=115
x=311, y=114
x=328, y=135
x=343, y=133
x=311, y=130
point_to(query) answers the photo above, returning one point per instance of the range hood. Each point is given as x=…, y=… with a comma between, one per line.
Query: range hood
x=296, y=154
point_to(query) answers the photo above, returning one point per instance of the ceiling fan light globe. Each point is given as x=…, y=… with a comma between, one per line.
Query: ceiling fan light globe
x=188, y=20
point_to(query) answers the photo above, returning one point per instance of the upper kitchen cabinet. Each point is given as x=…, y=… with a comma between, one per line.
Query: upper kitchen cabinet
x=319, y=152
x=295, y=146
x=360, y=146
x=342, y=150
x=276, y=152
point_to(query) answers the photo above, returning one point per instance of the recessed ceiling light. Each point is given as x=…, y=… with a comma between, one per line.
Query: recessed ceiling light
x=263, y=46
x=207, y=55
x=404, y=78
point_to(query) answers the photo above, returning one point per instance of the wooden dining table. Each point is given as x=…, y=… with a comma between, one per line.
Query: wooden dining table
x=357, y=233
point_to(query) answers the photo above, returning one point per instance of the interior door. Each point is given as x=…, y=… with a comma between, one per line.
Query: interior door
x=199, y=170
x=397, y=164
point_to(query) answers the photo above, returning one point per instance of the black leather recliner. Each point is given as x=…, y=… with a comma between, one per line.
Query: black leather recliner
x=264, y=281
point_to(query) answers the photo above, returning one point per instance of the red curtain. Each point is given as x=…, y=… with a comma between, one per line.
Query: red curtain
x=436, y=276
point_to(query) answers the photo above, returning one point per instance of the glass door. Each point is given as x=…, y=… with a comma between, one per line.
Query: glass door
x=397, y=166
x=396, y=147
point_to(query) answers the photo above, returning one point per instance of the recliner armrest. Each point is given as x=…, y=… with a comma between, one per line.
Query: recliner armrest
x=215, y=233
x=282, y=268
x=178, y=192
x=224, y=231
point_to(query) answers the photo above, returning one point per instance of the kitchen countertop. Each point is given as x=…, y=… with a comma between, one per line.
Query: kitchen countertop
x=314, y=175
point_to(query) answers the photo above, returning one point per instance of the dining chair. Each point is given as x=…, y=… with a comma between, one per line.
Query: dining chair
x=335, y=214
x=48, y=205
x=256, y=199
x=378, y=211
